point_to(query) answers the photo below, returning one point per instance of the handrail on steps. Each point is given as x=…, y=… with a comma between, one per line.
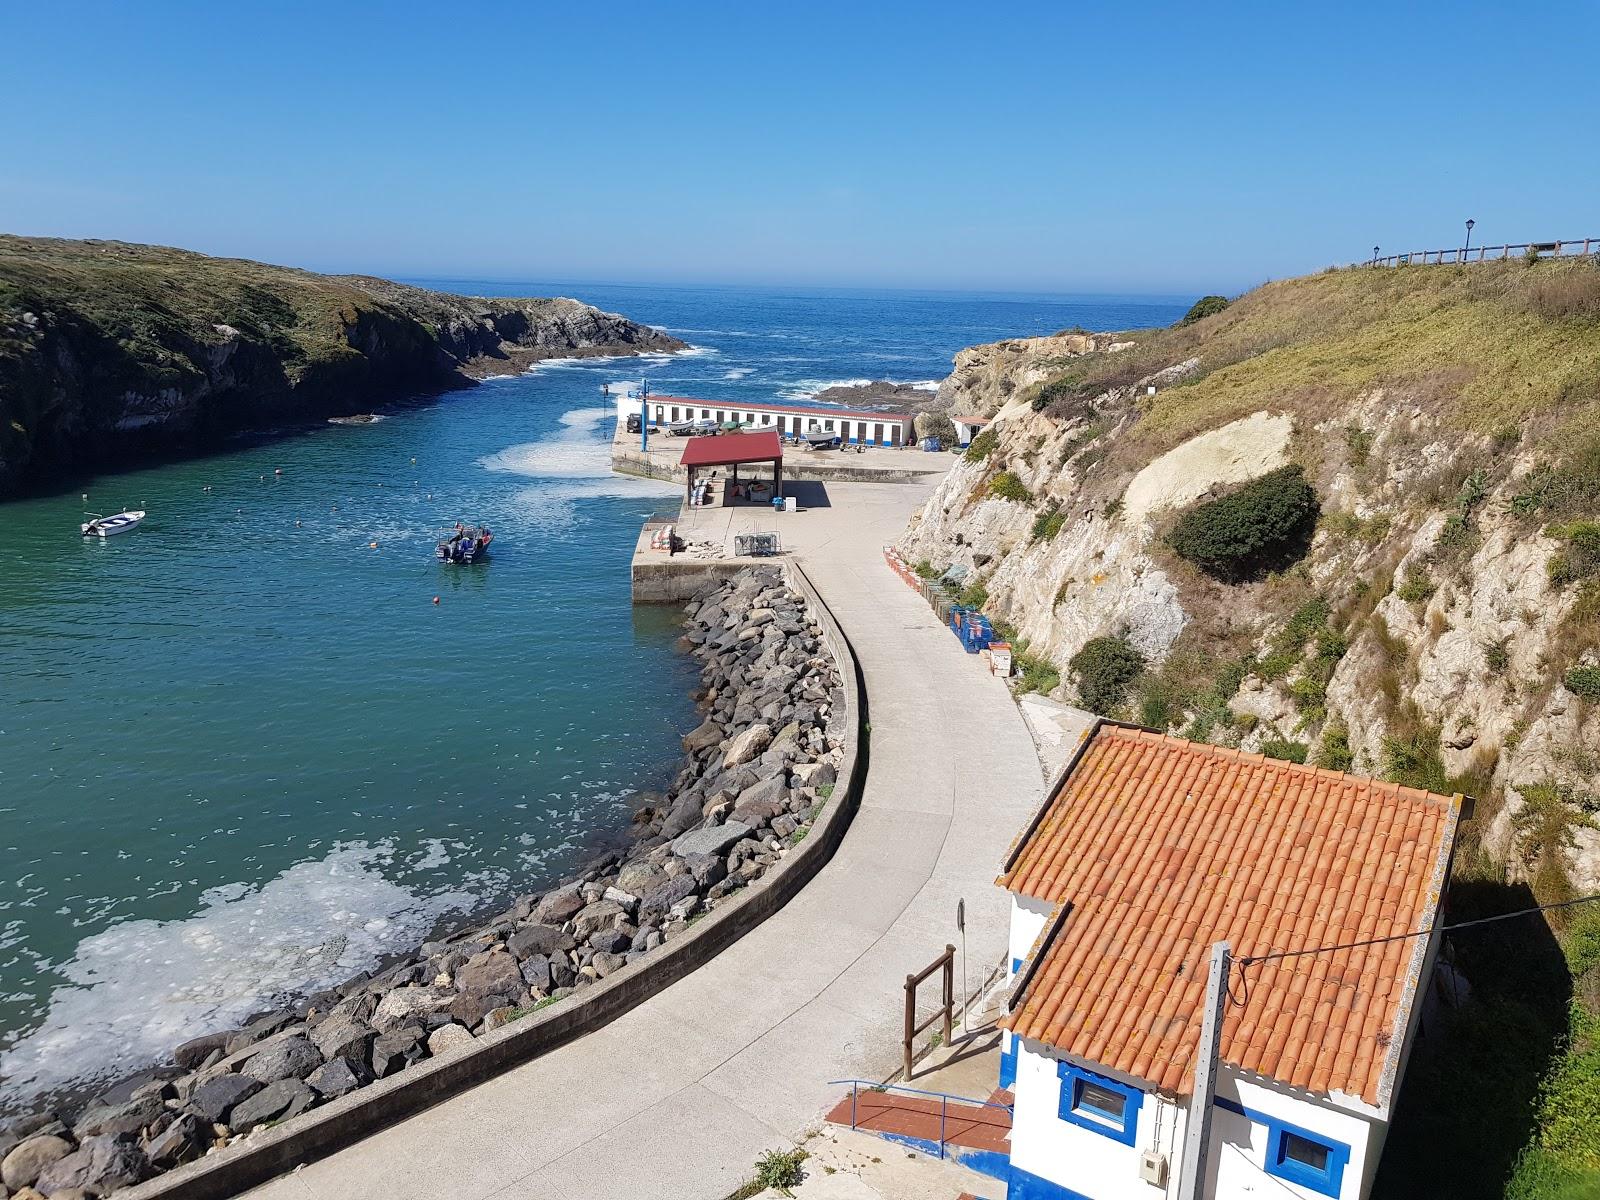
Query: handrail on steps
x=944, y=1099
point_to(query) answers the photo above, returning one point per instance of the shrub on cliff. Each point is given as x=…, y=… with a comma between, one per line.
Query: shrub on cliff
x=1204, y=307
x=982, y=446
x=1103, y=670
x=1007, y=486
x=1263, y=526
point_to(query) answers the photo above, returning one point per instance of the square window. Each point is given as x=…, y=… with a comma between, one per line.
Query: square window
x=1099, y=1101
x=1302, y=1157
x=1093, y=1102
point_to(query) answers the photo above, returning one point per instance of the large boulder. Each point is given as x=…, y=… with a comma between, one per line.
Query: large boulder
x=491, y=971
x=214, y=1099
x=602, y=914
x=342, y=1037
x=637, y=878
x=98, y=1166
x=531, y=940
x=114, y=1119
x=407, y=1004
x=23, y=1165
x=559, y=905
x=397, y=1049
x=292, y=1058
x=661, y=900
x=279, y=1100
x=339, y=1076
x=712, y=840
x=746, y=746
x=185, y=1137
x=449, y=1037
x=703, y=736
x=193, y=1053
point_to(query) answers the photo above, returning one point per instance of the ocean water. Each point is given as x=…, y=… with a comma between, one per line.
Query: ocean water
x=244, y=754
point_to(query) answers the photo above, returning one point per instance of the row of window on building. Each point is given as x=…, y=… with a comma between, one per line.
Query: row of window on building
x=873, y=433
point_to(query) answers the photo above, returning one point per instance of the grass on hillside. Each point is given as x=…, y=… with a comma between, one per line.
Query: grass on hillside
x=1495, y=345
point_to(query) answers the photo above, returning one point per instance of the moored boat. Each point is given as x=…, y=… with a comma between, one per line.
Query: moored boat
x=466, y=544
x=108, y=526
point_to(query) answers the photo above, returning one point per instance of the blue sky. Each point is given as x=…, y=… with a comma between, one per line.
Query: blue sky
x=1157, y=148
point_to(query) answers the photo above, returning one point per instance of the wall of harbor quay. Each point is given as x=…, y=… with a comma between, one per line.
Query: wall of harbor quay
x=805, y=466
x=275, y=1150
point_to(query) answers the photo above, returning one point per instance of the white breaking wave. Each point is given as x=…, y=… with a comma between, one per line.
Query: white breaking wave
x=738, y=372
x=138, y=989
x=810, y=389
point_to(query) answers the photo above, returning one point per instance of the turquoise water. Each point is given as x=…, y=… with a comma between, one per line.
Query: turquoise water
x=243, y=753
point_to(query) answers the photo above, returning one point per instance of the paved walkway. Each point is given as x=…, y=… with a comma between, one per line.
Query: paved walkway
x=680, y=1096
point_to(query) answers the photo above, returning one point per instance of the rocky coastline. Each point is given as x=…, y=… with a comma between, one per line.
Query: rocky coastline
x=112, y=354
x=757, y=771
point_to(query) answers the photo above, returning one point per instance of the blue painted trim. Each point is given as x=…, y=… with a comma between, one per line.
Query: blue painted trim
x=1008, y=1060
x=1024, y=1185
x=1326, y=1182
x=1016, y=965
x=1071, y=1111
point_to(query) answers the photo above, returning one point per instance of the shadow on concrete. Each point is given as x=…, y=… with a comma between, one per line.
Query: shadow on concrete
x=808, y=493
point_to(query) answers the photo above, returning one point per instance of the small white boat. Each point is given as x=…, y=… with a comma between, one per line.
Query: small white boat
x=106, y=526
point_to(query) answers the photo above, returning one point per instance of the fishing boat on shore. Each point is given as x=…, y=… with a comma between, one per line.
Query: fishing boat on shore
x=97, y=526
x=466, y=544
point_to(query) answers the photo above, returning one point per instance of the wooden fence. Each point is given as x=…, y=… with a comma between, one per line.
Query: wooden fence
x=1576, y=247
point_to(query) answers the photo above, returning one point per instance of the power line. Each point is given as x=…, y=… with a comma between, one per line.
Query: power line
x=1249, y=960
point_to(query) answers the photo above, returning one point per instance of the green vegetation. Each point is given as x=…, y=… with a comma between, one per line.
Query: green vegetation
x=1204, y=307
x=1294, y=752
x=1497, y=656
x=1048, y=523
x=974, y=595
x=1102, y=672
x=1037, y=674
x=1264, y=525
x=1333, y=751
x=1007, y=486
x=926, y=570
x=1416, y=588
x=1358, y=441
x=1583, y=682
x=981, y=446
x=1460, y=532
x=1486, y=346
x=1579, y=556
x=780, y=1169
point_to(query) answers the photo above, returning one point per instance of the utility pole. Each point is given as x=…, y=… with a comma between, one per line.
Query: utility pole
x=1197, y=1129
x=644, y=416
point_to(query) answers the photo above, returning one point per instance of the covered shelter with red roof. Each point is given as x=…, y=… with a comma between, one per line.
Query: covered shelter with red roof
x=1327, y=888
x=734, y=450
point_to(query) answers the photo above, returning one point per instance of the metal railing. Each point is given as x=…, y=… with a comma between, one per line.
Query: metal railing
x=1573, y=248
x=944, y=1099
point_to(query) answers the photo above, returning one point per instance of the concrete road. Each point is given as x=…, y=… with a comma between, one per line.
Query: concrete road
x=680, y=1096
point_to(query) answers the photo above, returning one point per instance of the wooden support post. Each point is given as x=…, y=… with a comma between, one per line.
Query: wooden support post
x=1197, y=1129
x=949, y=992
x=911, y=1020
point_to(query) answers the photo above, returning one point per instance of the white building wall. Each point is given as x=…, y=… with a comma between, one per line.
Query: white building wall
x=1027, y=922
x=1085, y=1163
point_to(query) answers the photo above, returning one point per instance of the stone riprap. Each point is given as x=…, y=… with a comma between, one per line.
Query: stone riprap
x=756, y=771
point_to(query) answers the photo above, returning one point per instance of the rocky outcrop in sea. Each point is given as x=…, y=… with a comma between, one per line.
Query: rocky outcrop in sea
x=757, y=770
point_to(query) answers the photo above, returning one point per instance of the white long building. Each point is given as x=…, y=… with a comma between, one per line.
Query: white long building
x=857, y=426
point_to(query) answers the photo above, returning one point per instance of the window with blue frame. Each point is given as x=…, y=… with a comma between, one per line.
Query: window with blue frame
x=1094, y=1102
x=1302, y=1157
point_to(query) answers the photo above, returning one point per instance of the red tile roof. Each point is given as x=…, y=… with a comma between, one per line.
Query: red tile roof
x=1155, y=848
x=723, y=450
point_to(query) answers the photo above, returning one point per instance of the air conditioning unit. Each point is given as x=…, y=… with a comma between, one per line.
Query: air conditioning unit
x=1153, y=1168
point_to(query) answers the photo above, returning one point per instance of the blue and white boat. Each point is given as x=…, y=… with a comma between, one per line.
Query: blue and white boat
x=467, y=544
x=107, y=526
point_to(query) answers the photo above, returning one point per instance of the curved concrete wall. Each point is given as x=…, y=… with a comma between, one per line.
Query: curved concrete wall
x=323, y=1130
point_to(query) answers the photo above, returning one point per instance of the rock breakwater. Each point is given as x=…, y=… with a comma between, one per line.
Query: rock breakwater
x=757, y=770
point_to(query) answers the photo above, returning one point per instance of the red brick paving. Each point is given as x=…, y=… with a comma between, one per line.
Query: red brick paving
x=966, y=1125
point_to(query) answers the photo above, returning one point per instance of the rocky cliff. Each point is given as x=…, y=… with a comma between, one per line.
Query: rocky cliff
x=1438, y=623
x=110, y=352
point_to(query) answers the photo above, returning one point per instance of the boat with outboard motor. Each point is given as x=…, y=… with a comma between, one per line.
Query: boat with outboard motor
x=466, y=544
x=104, y=527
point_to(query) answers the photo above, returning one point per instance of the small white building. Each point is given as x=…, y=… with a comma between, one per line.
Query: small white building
x=1148, y=850
x=968, y=428
x=857, y=426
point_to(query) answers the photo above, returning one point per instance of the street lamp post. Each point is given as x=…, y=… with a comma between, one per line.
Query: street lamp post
x=1375, y=254
x=1470, y=224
